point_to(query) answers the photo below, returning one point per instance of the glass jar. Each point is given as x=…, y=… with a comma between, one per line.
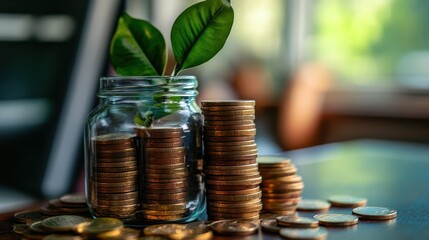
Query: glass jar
x=143, y=150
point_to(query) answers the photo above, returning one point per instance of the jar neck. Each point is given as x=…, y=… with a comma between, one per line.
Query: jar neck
x=151, y=89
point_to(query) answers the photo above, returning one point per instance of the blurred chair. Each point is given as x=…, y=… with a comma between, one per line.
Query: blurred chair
x=301, y=106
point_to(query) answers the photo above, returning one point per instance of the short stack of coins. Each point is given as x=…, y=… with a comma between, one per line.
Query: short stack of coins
x=164, y=185
x=230, y=151
x=281, y=187
x=113, y=179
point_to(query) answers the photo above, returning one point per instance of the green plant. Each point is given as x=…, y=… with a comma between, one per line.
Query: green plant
x=197, y=35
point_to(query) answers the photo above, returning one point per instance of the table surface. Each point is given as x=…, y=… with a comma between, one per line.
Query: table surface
x=388, y=174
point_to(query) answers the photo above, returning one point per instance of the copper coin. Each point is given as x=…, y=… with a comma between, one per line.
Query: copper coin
x=375, y=213
x=270, y=225
x=218, y=103
x=153, y=144
x=304, y=234
x=75, y=198
x=227, y=122
x=235, y=210
x=228, y=144
x=165, y=201
x=228, y=138
x=173, y=132
x=282, y=195
x=297, y=222
x=282, y=180
x=171, y=180
x=115, y=160
x=226, y=108
x=234, y=168
x=117, y=209
x=164, y=160
x=121, y=196
x=234, y=198
x=229, y=117
x=243, y=204
x=161, y=217
x=130, y=201
x=58, y=203
x=114, y=180
x=169, y=185
x=116, y=170
x=230, y=157
x=229, y=133
x=238, y=148
x=123, y=189
x=28, y=216
x=238, y=192
x=118, y=164
x=282, y=188
x=230, y=187
x=231, y=177
x=273, y=161
x=214, y=163
x=166, y=166
x=228, y=113
x=161, y=196
x=165, y=207
x=347, y=201
x=114, y=146
x=240, y=215
x=229, y=127
x=128, y=152
x=166, y=191
x=230, y=153
x=113, y=138
x=170, y=175
x=234, y=227
x=251, y=181
x=313, y=205
x=336, y=220
x=245, y=172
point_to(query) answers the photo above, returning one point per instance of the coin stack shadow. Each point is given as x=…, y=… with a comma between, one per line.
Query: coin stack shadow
x=281, y=187
x=113, y=181
x=230, y=168
x=164, y=184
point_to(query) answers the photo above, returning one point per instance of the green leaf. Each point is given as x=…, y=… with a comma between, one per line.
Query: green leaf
x=138, y=48
x=200, y=32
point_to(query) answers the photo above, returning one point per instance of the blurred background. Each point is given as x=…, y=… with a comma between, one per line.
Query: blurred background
x=320, y=71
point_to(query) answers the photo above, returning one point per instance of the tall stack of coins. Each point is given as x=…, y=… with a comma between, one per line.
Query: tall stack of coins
x=230, y=151
x=113, y=188
x=281, y=187
x=164, y=185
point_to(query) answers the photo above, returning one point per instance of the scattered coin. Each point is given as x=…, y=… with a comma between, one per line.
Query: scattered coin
x=62, y=223
x=270, y=225
x=28, y=216
x=62, y=237
x=234, y=227
x=336, y=220
x=307, y=234
x=194, y=233
x=375, y=213
x=313, y=205
x=347, y=201
x=98, y=226
x=297, y=222
x=163, y=229
x=20, y=228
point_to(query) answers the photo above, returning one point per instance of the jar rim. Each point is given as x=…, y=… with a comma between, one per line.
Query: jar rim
x=135, y=85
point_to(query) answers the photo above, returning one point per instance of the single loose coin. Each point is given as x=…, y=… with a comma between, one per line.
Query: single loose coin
x=99, y=225
x=37, y=227
x=375, y=213
x=304, y=234
x=62, y=237
x=234, y=227
x=28, y=216
x=336, y=220
x=62, y=223
x=20, y=228
x=163, y=229
x=270, y=225
x=297, y=222
x=313, y=205
x=195, y=233
x=347, y=201
x=75, y=198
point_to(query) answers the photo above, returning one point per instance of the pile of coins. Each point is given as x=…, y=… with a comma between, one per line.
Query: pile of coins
x=113, y=178
x=281, y=187
x=67, y=204
x=230, y=151
x=164, y=184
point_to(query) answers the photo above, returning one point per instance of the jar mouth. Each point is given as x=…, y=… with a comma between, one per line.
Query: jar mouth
x=137, y=85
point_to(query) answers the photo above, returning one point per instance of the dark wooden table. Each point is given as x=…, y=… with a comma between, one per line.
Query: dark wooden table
x=389, y=174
